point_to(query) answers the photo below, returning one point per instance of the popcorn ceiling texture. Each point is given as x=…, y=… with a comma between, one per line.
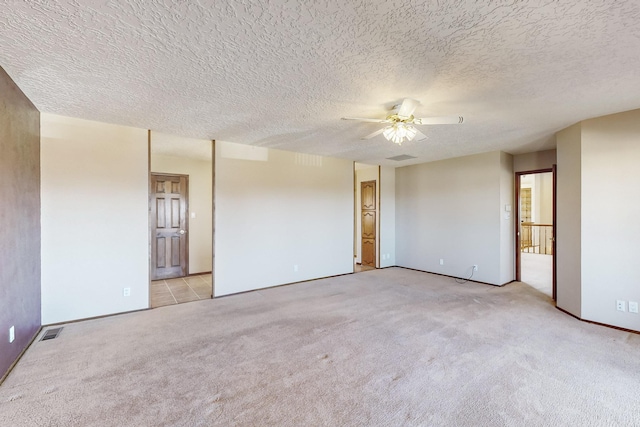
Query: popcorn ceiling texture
x=281, y=74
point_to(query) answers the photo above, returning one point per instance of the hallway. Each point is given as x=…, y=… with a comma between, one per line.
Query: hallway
x=181, y=289
x=537, y=271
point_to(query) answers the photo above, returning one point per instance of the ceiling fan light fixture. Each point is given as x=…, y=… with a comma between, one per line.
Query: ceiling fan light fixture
x=401, y=123
x=411, y=132
x=389, y=132
x=399, y=132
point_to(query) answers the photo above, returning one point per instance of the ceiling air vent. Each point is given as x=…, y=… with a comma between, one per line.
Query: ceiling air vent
x=51, y=334
x=401, y=157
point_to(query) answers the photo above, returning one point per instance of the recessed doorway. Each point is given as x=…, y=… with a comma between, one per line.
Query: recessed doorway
x=535, y=233
x=181, y=201
x=367, y=217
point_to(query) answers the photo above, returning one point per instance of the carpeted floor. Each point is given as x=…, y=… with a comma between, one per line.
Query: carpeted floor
x=379, y=348
x=537, y=271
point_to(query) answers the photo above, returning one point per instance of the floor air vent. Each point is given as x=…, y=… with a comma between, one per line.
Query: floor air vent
x=51, y=334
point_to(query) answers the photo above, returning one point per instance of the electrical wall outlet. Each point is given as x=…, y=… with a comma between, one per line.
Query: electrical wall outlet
x=126, y=292
x=475, y=267
x=633, y=306
x=295, y=267
x=12, y=333
x=621, y=305
x=441, y=261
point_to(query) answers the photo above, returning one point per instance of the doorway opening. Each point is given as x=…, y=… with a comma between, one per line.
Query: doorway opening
x=169, y=226
x=180, y=219
x=536, y=229
x=367, y=217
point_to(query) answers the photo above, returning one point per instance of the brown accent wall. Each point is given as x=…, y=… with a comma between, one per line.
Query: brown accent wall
x=19, y=221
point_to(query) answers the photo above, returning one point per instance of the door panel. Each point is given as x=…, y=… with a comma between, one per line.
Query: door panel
x=368, y=225
x=368, y=193
x=368, y=220
x=369, y=252
x=176, y=212
x=161, y=252
x=169, y=244
x=160, y=216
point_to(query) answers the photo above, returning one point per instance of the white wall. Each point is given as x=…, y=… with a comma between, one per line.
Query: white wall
x=544, y=197
x=365, y=173
x=200, y=204
x=452, y=209
x=387, y=216
x=275, y=210
x=610, y=213
x=568, y=215
x=541, y=185
x=94, y=189
x=528, y=181
x=507, y=219
x=534, y=161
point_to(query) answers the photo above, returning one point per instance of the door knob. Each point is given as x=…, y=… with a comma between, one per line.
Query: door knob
x=181, y=231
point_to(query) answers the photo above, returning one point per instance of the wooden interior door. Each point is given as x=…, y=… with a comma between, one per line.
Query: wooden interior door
x=369, y=226
x=169, y=226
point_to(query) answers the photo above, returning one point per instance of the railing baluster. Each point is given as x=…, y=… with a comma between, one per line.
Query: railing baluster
x=536, y=238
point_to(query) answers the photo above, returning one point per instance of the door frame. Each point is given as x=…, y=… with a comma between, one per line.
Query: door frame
x=518, y=175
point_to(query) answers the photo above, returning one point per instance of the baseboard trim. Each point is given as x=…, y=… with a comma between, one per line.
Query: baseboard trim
x=453, y=277
x=566, y=312
x=66, y=322
x=283, y=284
x=196, y=274
x=631, y=331
x=15, y=362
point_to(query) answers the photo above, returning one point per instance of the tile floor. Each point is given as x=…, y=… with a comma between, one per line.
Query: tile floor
x=179, y=290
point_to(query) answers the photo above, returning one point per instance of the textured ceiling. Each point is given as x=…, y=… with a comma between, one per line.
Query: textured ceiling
x=281, y=73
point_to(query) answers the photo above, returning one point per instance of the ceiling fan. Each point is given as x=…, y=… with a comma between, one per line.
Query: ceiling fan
x=401, y=123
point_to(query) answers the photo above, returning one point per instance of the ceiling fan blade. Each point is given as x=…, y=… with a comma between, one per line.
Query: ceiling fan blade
x=449, y=120
x=366, y=120
x=407, y=108
x=420, y=136
x=371, y=135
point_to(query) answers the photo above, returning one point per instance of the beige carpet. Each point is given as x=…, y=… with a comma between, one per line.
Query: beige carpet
x=379, y=348
x=536, y=270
